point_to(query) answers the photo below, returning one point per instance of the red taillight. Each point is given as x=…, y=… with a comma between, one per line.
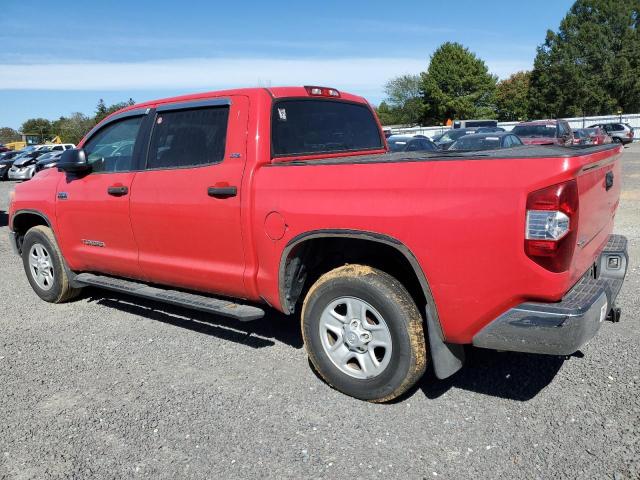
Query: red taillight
x=322, y=91
x=552, y=225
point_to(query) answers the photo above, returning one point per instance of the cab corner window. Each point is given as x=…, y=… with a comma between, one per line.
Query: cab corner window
x=111, y=148
x=307, y=127
x=188, y=138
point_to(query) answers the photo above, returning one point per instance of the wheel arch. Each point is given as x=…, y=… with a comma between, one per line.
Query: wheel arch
x=292, y=278
x=23, y=220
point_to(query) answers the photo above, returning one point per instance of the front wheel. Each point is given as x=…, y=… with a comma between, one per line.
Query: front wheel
x=363, y=333
x=44, y=266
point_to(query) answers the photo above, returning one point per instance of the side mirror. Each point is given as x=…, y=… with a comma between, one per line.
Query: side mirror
x=74, y=161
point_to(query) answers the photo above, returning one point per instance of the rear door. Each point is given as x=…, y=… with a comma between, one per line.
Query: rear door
x=93, y=209
x=185, y=205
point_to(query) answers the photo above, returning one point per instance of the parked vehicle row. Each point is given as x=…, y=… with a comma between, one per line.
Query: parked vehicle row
x=539, y=132
x=23, y=164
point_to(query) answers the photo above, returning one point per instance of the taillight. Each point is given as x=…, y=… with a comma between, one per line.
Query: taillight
x=551, y=225
x=322, y=91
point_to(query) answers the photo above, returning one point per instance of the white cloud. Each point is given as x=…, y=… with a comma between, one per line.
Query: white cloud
x=364, y=76
x=356, y=74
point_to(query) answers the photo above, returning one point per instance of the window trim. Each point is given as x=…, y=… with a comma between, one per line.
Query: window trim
x=195, y=105
x=274, y=104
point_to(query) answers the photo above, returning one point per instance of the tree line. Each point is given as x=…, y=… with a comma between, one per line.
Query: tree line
x=590, y=66
x=70, y=129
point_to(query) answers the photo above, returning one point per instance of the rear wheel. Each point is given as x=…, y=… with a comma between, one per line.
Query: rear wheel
x=363, y=333
x=44, y=266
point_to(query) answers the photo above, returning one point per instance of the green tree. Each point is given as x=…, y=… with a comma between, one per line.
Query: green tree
x=103, y=111
x=71, y=129
x=8, y=134
x=457, y=85
x=512, y=97
x=404, y=98
x=591, y=66
x=385, y=114
x=37, y=126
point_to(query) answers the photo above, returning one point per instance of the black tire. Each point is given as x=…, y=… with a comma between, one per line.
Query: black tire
x=408, y=357
x=616, y=140
x=59, y=289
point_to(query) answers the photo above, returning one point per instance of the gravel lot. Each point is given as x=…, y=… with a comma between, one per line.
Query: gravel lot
x=115, y=387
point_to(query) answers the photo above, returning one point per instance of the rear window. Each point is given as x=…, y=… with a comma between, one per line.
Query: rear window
x=548, y=130
x=307, y=127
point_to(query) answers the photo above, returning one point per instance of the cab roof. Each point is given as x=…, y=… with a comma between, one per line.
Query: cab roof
x=273, y=92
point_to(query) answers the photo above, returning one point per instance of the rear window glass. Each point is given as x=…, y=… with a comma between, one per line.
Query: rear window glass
x=305, y=127
x=535, y=130
x=188, y=138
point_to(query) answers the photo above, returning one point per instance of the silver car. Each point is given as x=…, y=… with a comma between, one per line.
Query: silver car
x=619, y=132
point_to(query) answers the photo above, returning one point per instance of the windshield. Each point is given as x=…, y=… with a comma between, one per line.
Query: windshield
x=306, y=127
x=453, y=135
x=476, y=143
x=535, y=130
x=398, y=144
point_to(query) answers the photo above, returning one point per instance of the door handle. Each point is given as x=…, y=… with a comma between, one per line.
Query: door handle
x=222, y=192
x=608, y=181
x=117, y=190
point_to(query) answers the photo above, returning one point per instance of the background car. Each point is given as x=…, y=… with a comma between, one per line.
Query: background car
x=3, y=148
x=48, y=160
x=590, y=136
x=447, y=139
x=6, y=160
x=24, y=166
x=487, y=141
x=544, y=132
x=419, y=143
x=619, y=132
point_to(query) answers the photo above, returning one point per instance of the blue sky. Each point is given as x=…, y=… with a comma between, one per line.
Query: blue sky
x=65, y=58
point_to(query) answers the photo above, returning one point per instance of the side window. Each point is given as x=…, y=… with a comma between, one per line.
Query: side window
x=561, y=130
x=111, y=148
x=57, y=147
x=515, y=141
x=188, y=138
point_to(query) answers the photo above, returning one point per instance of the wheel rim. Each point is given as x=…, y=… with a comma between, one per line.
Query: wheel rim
x=41, y=266
x=355, y=337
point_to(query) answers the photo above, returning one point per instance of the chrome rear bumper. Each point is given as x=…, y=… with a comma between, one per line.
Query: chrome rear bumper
x=562, y=328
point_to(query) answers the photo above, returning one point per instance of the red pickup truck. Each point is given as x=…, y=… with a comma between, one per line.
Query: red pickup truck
x=233, y=201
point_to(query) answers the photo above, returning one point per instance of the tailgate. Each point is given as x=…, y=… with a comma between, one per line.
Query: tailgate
x=599, y=185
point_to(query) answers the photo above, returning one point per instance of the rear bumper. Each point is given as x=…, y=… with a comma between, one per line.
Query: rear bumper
x=562, y=328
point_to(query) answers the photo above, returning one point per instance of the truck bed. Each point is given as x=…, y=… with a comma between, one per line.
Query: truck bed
x=525, y=152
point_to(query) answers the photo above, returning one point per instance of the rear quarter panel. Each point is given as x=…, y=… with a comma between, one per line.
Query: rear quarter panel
x=462, y=219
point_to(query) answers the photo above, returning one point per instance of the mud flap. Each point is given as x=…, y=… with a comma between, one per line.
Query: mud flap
x=447, y=358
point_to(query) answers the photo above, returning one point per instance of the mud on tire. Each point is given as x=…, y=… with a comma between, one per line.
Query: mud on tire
x=381, y=311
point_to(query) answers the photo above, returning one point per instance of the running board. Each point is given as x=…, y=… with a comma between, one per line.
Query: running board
x=243, y=313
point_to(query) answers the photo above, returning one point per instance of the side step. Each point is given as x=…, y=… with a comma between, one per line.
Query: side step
x=244, y=313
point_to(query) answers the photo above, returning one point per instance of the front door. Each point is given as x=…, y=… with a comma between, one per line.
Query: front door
x=185, y=206
x=93, y=209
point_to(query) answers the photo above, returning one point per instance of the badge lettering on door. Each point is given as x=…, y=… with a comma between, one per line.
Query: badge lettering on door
x=93, y=243
x=62, y=195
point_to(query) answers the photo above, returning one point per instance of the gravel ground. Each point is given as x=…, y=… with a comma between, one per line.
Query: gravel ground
x=115, y=387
